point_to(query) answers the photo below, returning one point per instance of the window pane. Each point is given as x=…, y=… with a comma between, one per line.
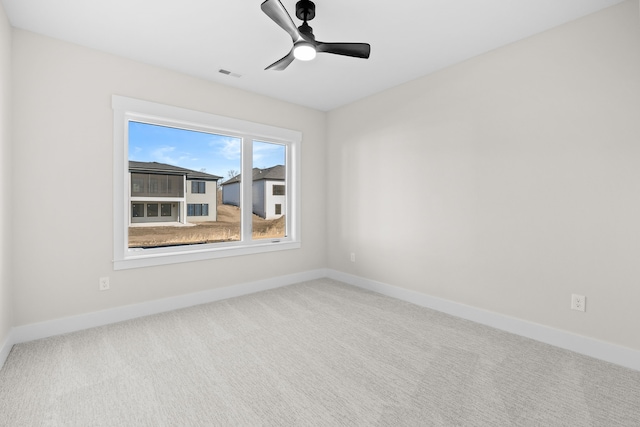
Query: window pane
x=165, y=209
x=269, y=182
x=137, y=210
x=198, y=187
x=197, y=209
x=152, y=209
x=163, y=163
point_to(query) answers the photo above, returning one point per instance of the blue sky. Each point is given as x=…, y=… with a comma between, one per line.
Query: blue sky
x=211, y=153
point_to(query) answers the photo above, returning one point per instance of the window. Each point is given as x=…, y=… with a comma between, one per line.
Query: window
x=253, y=146
x=198, y=187
x=197, y=209
x=278, y=209
x=137, y=209
x=278, y=190
x=152, y=209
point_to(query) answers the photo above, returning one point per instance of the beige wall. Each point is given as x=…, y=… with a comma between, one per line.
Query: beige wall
x=507, y=182
x=63, y=121
x=5, y=177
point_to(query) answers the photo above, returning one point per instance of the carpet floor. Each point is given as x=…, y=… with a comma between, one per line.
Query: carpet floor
x=319, y=353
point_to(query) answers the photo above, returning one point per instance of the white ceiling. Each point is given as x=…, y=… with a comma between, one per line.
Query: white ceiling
x=409, y=38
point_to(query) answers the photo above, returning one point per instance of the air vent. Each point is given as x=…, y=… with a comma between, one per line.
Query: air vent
x=228, y=73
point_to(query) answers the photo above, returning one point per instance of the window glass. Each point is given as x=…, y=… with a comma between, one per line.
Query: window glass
x=198, y=187
x=165, y=209
x=161, y=161
x=198, y=209
x=152, y=209
x=269, y=178
x=137, y=210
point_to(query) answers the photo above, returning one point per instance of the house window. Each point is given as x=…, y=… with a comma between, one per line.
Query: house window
x=165, y=209
x=152, y=209
x=198, y=209
x=278, y=209
x=137, y=210
x=278, y=190
x=245, y=145
x=198, y=187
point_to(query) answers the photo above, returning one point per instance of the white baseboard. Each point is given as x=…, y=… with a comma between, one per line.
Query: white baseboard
x=5, y=348
x=559, y=338
x=99, y=318
x=580, y=344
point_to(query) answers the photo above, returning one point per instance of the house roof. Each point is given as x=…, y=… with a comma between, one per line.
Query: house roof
x=163, y=168
x=274, y=173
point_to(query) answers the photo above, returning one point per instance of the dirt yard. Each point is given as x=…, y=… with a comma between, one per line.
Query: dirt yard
x=225, y=229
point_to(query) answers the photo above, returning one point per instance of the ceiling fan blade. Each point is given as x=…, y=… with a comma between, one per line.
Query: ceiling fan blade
x=283, y=63
x=276, y=11
x=357, y=50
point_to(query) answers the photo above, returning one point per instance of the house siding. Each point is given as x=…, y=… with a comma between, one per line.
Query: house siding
x=231, y=194
x=259, y=199
x=272, y=201
x=263, y=203
x=209, y=198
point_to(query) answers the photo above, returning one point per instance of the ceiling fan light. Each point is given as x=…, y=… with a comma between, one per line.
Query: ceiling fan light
x=304, y=51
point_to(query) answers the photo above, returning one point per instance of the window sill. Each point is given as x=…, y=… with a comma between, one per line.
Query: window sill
x=149, y=258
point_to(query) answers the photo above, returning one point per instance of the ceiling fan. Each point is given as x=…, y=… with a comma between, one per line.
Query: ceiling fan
x=305, y=45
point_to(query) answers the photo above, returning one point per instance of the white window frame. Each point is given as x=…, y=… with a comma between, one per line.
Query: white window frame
x=129, y=109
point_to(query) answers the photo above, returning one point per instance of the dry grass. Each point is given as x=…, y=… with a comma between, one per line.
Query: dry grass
x=226, y=229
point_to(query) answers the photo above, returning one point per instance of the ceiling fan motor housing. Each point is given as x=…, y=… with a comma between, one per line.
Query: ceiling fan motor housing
x=305, y=10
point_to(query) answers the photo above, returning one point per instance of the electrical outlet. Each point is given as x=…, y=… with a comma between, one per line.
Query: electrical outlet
x=578, y=302
x=104, y=284
x=353, y=257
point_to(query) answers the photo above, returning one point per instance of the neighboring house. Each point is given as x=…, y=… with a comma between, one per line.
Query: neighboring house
x=269, y=200
x=166, y=193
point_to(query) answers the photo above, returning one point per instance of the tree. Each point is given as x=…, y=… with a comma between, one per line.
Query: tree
x=232, y=173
